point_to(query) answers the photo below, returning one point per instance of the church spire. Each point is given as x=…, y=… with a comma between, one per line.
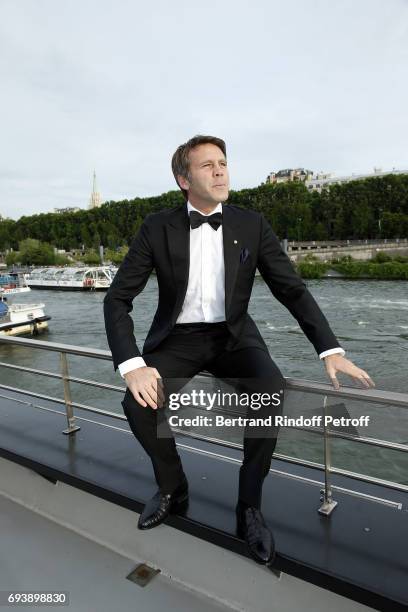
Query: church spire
x=95, y=199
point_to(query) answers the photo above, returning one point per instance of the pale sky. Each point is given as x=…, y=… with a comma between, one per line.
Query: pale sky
x=117, y=86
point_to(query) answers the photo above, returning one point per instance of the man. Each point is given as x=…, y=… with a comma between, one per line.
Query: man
x=205, y=254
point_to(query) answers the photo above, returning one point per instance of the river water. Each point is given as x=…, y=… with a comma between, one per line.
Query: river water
x=369, y=318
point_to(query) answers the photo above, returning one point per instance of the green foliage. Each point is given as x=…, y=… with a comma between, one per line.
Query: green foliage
x=392, y=270
x=36, y=253
x=12, y=258
x=7, y=232
x=91, y=259
x=61, y=259
x=382, y=267
x=311, y=269
x=371, y=208
x=116, y=257
x=381, y=257
x=350, y=269
x=401, y=258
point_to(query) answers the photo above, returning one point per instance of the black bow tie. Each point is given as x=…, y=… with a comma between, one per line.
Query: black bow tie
x=197, y=219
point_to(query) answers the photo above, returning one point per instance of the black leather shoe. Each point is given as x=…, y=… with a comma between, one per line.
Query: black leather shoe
x=161, y=505
x=252, y=528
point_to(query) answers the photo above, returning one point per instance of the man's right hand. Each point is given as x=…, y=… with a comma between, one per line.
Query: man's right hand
x=146, y=386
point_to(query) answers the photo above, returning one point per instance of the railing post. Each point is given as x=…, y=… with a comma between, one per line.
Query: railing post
x=67, y=396
x=328, y=504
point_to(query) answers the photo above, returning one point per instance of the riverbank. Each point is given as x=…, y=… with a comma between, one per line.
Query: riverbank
x=383, y=267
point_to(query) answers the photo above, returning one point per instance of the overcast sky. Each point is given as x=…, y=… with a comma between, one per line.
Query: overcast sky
x=117, y=86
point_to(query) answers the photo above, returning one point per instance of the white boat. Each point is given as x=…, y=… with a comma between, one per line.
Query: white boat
x=13, y=282
x=93, y=278
x=22, y=319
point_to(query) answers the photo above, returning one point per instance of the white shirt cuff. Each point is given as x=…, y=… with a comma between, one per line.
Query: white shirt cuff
x=131, y=364
x=332, y=351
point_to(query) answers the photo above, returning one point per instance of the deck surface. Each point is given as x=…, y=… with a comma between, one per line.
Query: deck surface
x=82, y=565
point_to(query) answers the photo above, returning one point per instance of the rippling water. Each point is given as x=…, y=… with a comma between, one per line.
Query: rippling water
x=369, y=318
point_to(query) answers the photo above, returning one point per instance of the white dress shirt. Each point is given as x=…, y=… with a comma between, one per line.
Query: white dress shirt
x=205, y=296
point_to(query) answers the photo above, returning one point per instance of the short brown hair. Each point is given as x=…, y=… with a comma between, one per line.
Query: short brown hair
x=180, y=163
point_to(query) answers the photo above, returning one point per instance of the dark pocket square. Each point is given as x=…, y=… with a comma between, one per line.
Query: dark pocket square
x=244, y=254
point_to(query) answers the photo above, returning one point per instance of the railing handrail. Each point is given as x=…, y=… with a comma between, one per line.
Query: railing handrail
x=69, y=349
x=371, y=395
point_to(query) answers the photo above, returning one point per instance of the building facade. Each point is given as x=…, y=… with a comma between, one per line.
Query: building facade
x=324, y=181
x=67, y=209
x=289, y=175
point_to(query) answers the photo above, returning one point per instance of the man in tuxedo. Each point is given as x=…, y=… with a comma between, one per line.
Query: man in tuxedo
x=205, y=254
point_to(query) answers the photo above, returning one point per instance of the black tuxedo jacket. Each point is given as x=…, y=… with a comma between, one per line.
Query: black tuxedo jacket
x=163, y=244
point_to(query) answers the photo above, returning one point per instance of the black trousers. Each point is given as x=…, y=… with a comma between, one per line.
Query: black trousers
x=189, y=349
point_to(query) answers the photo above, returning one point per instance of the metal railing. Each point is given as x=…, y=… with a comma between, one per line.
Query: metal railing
x=325, y=389
x=348, y=242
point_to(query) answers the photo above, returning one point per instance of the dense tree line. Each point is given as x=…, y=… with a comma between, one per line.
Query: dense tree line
x=370, y=208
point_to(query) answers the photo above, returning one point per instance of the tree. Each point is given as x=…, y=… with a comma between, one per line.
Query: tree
x=33, y=252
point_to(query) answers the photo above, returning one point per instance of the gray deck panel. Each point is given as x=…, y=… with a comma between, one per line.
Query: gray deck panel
x=37, y=554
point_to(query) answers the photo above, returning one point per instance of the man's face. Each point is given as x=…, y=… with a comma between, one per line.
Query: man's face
x=209, y=178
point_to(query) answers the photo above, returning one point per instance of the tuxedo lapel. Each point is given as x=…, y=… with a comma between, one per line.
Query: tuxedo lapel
x=178, y=241
x=232, y=247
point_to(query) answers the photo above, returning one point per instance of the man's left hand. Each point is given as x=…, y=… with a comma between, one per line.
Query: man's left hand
x=337, y=363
